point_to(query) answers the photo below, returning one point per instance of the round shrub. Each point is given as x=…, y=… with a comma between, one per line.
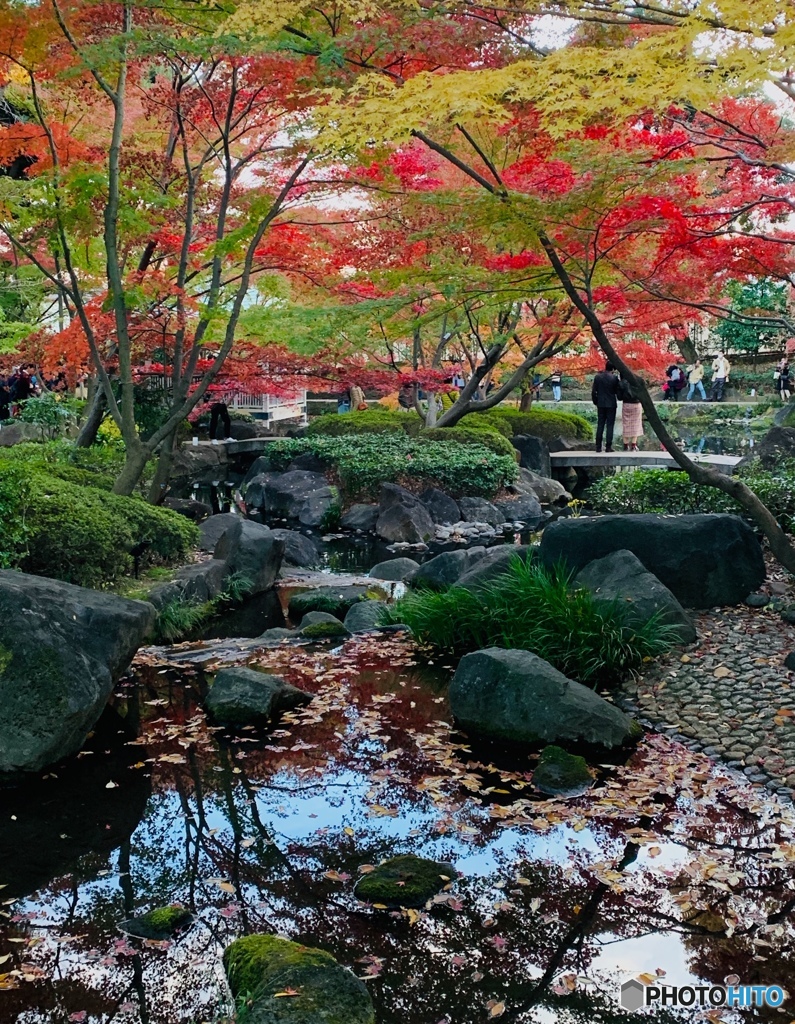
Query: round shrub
x=373, y=421
x=543, y=423
x=497, y=443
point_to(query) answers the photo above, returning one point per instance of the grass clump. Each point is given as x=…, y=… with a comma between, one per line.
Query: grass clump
x=535, y=609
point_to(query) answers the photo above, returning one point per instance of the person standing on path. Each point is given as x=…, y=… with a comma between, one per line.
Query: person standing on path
x=631, y=417
x=721, y=368
x=555, y=381
x=695, y=379
x=604, y=395
x=784, y=381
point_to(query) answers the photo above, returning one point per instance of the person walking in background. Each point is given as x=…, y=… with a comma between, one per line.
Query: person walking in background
x=784, y=381
x=556, y=380
x=721, y=367
x=358, y=403
x=604, y=395
x=631, y=417
x=695, y=380
x=220, y=411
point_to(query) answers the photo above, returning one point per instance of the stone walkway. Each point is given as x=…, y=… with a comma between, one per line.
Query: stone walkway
x=729, y=694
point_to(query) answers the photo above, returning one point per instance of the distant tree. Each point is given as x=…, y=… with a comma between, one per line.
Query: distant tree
x=746, y=328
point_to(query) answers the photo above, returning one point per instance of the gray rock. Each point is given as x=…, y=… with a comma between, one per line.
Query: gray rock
x=519, y=697
x=299, y=494
x=442, y=507
x=360, y=517
x=789, y=661
x=559, y=773
x=394, y=569
x=364, y=616
x=788, y=615
x=704, y=560
x=491, y=566
x=299, y=550
x=525, y=508
x=251, y=549
x=757, y=600
x=444, y=570
x=212, y=529
x=308, y=461
x=276, y=633
x=14, y=433
x=62, y=648
x=312, y=618
x=620, y=578
x=393, y=494
x=478, y=510
x=260, y=466
x=547, y=490
x=254, y=491
x=194, y=584
x=333, y=600
x=533, y=454
x=321, y=626
x=194, y=510
x=777, y=444
x=242, y=696
x=406, y=524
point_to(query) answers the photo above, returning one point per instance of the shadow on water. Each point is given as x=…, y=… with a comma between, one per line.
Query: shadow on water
x=557, y=902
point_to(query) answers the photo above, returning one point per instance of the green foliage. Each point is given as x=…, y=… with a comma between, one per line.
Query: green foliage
x=324, y=630
x=488, y=438
x=330, y=520
x=543, y=423
x=237, y=587
x=177, y=618
x=364, y=461
x=97, y=466
x=373, y=421
x=51, y=413
x=534, y=609
x=672, y=493
x=80, y=534
x=753, y=304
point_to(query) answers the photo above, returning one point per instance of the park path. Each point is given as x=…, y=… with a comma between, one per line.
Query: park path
x=729, y=694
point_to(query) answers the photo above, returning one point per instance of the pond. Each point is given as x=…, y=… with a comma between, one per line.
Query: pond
x=669, y=865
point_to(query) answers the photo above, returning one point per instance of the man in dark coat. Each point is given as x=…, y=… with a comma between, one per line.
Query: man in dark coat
x=604, y=395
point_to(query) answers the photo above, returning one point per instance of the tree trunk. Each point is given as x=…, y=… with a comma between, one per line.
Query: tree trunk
x=136, y=458
x=159, y=486
x=526, y=403
x=688, y=349
x=93, y=421
x=430, y=415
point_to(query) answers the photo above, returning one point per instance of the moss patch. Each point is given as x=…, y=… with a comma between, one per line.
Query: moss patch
x=261, y=966
x=324, y=630
x=6, y=657
x=559, y=773
x=158, y=924
x=404, y=881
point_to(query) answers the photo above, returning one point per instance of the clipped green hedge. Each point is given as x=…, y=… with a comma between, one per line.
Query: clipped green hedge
x=543, y=423
x=363, y=462
x=373, y=421
x=53, y=527
x=497, y=443
x=674, y=493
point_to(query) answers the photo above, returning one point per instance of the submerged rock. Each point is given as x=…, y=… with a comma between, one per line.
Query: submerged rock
x=517, y=696
x=62, y=648
x=259, y=967
x=559, y=773
x=365, y=615
x=159, y=924
x=334, y=600
x=404, y=881
x=243, y=696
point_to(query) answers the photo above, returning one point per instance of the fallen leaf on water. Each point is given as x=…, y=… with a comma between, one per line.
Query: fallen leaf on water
x=655, y=851
x=496, y=1009
x=111, y=785
x=337, y=876
x=287, y=992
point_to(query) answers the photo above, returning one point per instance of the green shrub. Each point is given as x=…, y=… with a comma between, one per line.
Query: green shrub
x=50, y=413
x=373, y=421
x=534, y=609
x=674, y=493
x=97, y=466
x=495, y=442
x=491, y=420
x=364, y=461
x=543, y=423
x=83, y=535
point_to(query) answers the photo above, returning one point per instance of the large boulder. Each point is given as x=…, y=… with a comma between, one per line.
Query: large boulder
x=212, y=529
x=393, y=494
x=300, y=494
x=62, y=648
x=252, y=550
x=364, y=616
x=299, y=550
x=261, y=466
x=333, y=600
x=777, y=444
x=194, y=584
x=360, y=517
x=14, y=433
x=620, y=578
x=478, y=510
x=189, y=507
x=243, y=696
x=444, y=510
x=444, y=570
x=494, y=563
x=394, y=569
x=263, y=968
x=533, y=453
x=704, y=560
x=547, y=490
x=517, y=696
x=405, y=524
x=524, y=508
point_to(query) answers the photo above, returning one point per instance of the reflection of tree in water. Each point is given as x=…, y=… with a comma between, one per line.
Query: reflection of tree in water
x=231, y=833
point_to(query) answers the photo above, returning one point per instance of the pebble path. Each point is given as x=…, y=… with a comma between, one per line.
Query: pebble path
x=729, y=694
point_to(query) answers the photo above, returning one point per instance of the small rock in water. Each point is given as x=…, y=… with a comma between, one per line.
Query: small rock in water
x=559, y=773
x=404, y=881
x=757, y=600
x=159, y=924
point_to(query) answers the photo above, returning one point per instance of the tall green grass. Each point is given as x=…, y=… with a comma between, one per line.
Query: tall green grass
x=535, y=609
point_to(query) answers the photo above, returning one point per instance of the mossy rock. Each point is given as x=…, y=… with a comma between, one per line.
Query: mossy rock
x=333, y=600
x=559, y=773
x=324, y=631
x=158, y=924
x=404, y=881
x=259, y=967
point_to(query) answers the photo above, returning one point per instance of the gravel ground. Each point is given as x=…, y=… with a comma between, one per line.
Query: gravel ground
x=730, y=694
